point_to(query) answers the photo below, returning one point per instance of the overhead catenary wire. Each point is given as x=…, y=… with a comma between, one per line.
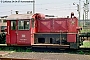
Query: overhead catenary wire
x=55, y=6
x=38, y=4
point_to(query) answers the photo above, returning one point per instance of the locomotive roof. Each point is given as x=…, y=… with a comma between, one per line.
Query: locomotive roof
x=19, y=16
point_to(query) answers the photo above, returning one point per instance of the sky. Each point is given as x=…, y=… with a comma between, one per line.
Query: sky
x=61, y=8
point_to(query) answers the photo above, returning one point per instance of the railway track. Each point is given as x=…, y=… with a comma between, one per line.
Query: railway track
x=15, y=59
x=42, y=49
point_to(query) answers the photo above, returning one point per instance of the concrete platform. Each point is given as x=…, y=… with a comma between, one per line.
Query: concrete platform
x=3, y=53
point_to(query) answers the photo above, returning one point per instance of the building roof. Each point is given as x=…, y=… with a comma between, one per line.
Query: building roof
x=3, y=16
x=19, y=16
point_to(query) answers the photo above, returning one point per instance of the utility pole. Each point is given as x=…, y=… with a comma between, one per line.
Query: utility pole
x=33, y=6
x=79, y=9
x=83, y=18
x=86, y=10
x=1, y=1
x=11, y=11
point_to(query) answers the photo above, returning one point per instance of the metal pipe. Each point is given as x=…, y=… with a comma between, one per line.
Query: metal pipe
x=60, y=36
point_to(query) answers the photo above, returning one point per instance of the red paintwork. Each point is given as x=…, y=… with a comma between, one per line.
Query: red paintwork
x=8, y=39
x=42, y=25
x=71, y=37
x=38, y=16
x=19, y=37
x=57, y=25
x=35, y=17
x=8, y=33
x=72, y=25
x=52, y=25
x=23, y=37
x=32, y=35
x=60, y=25
x=13, y=37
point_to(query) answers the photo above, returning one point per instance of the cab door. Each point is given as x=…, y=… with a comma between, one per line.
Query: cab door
x=13, y=32
x=24, y=32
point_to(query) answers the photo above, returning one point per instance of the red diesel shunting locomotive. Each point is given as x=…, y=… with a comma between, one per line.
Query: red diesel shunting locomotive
x=36, y=30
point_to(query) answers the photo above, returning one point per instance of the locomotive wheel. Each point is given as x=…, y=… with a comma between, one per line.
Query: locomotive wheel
x=74, y=45
x=8, y=44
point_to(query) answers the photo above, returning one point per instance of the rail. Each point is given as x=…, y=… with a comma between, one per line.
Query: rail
x=15, y=59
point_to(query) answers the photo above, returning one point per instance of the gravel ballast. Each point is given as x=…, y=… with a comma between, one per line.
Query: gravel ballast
x=48, y=56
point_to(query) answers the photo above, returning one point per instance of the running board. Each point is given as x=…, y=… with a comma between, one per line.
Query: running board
x=50, y=46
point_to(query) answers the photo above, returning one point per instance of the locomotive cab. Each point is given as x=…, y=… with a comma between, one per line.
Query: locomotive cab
x=19, y=29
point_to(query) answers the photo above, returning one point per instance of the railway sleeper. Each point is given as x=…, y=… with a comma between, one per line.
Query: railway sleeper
x=15, y=59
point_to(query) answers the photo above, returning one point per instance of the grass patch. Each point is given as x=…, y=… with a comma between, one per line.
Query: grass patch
x=16, y=49
x=85, y=30
x=86, y=44
x=81, y=52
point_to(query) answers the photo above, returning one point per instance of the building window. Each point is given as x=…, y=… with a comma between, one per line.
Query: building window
x=23, y=25
x=4, y=21
x=3, y=28
x=0, y=21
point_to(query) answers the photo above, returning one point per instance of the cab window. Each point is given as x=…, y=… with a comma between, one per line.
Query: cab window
x=13, y=25
x=23, y=25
